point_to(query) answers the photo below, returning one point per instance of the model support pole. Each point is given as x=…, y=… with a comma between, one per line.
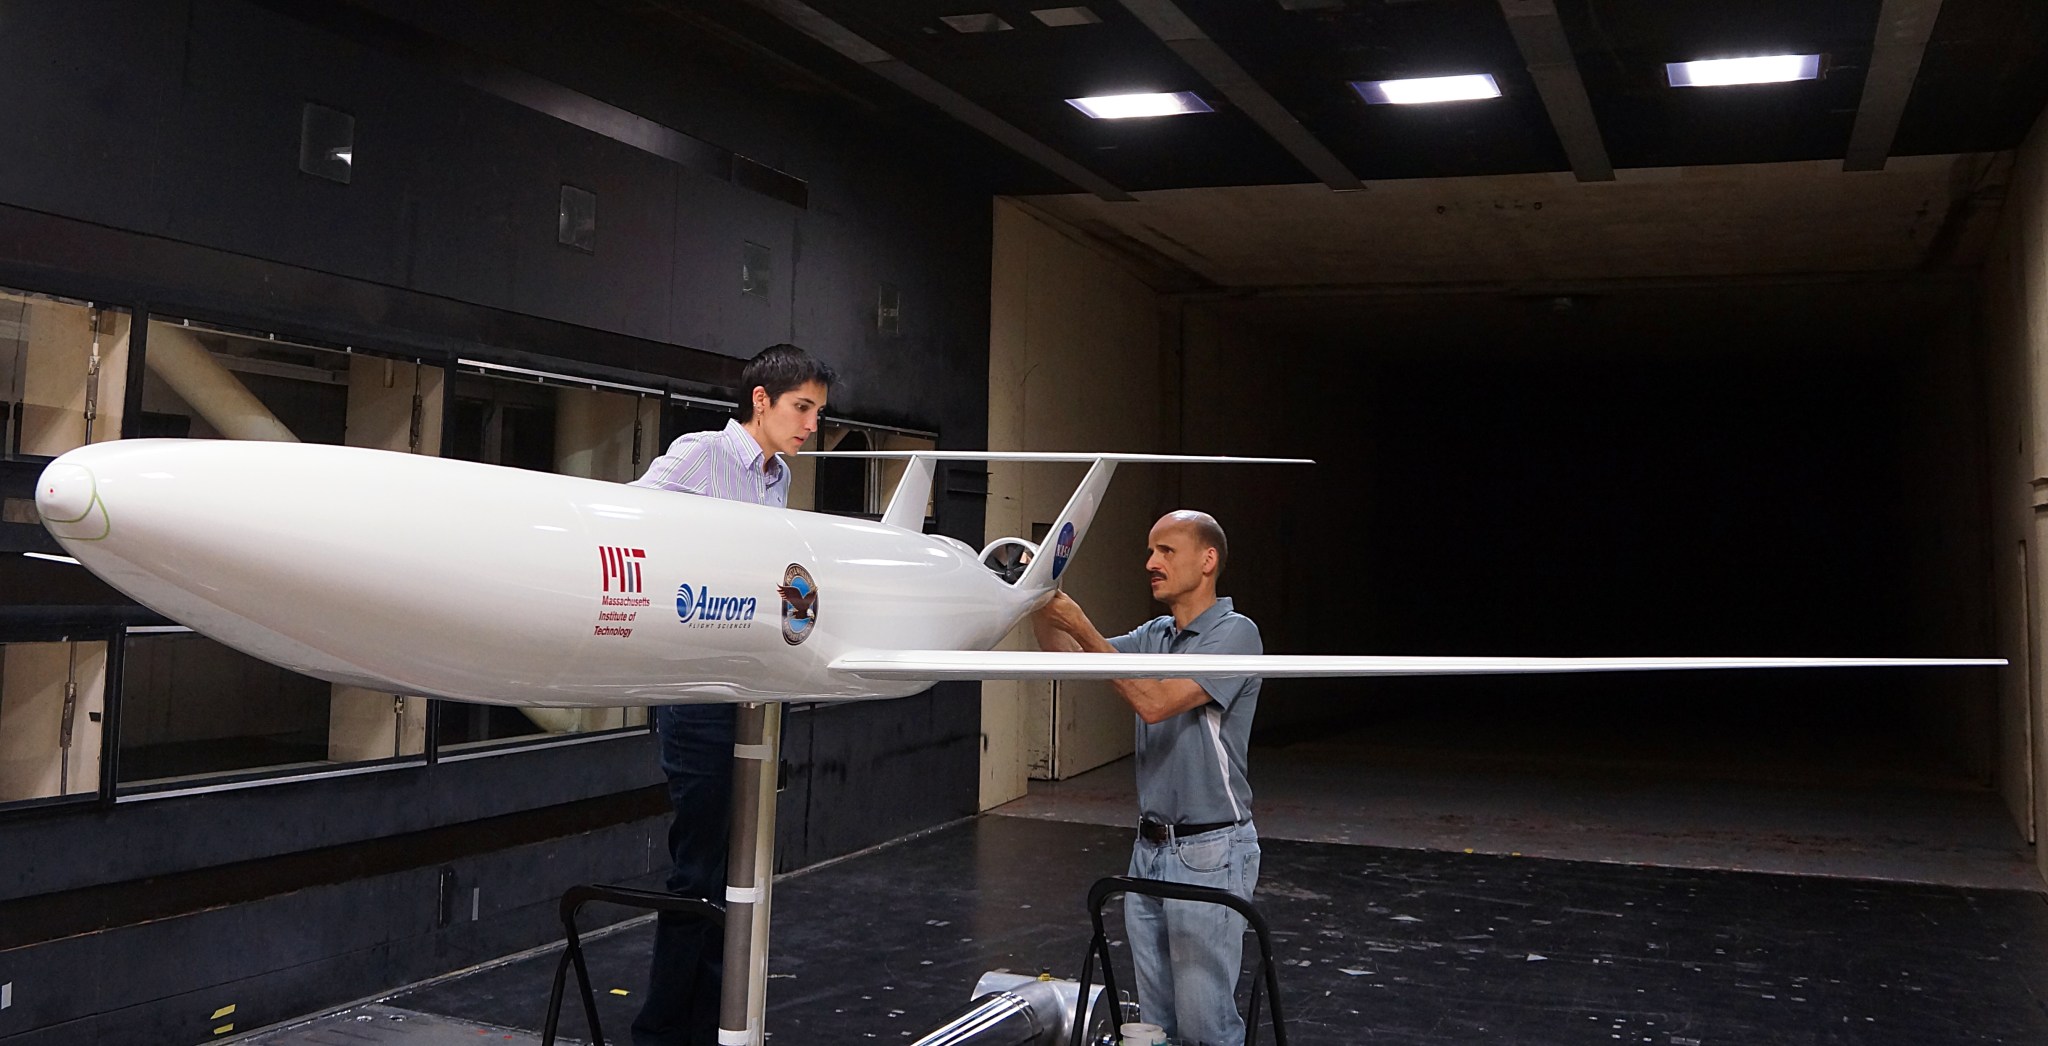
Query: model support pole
x=750, y=867
x=770, y=771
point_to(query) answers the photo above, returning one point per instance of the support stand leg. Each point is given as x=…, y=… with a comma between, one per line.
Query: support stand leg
x=750, y=869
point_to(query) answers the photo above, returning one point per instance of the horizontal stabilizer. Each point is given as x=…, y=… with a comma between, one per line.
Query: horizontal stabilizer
x=939, y=665
x=1082, y=458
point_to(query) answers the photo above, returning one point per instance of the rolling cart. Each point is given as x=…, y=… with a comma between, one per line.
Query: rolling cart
x=1265, y=976
x=572, y=902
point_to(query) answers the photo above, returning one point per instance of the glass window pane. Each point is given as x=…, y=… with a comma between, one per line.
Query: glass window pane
x=210, y=383
x=192, y=708
x=206, y=383
x=842, y=483
x=63, y=374
x=30, y=578
x=854, y=486
x=546, y=423
x=51, y=698
x=555, y=424
x=465, y=725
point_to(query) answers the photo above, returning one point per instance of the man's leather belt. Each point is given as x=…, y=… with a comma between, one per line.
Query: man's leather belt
x=1159, y=831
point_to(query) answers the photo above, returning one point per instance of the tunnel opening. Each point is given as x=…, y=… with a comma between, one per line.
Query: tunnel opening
x=1759, y=469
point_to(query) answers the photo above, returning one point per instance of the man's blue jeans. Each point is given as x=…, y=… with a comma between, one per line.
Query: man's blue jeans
x=1188, y=952
x=683, y=984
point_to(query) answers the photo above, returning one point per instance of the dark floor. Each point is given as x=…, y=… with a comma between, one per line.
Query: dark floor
x=1378, y=946
x=1792, y=817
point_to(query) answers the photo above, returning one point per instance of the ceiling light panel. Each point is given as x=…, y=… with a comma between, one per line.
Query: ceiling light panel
x=1727, y=72
x=1131, y=106
x=1428, y=90
x=1058, y=17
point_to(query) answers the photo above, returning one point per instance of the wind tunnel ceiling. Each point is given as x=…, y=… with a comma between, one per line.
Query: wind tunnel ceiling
x=1582, y=82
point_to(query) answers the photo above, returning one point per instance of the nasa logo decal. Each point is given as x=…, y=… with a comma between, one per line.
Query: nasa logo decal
x=1062, y=550
x=799, y=604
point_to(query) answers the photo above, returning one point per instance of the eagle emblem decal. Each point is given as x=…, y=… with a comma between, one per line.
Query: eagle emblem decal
x=799, y=604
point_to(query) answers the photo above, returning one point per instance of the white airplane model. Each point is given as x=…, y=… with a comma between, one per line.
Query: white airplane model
x=454, y=579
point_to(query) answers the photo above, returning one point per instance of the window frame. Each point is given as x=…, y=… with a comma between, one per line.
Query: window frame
x=85, y=632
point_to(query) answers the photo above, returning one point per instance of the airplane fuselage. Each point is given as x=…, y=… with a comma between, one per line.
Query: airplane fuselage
x=455, y=579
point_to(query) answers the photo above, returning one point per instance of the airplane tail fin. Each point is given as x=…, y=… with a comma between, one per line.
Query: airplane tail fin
x=1064, y=538
x=906, y=506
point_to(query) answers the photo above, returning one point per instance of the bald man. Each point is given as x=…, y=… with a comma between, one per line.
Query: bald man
x=1194, y=804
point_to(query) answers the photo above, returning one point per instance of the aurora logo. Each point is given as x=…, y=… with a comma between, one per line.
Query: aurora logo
x=699, y=605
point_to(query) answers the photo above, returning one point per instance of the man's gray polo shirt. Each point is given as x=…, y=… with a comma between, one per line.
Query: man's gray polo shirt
x=1191, y=768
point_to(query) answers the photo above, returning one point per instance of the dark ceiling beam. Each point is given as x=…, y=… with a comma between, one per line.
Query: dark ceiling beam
x=809, y=21
x=1548, y=54
x=1179, y=32
x=1903, y=28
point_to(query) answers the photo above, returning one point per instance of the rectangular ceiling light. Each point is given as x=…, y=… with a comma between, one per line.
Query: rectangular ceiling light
x=1057, y=17
x=1427, y=89
x=1763, y=69
x=1126, y=106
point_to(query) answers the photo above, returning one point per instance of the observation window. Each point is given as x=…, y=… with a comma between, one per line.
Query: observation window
x=208, y=382
x=861, y=486
x=554, y=422
x=63, y=374
x=570, y=426
x=193, y=708
x=52, y=695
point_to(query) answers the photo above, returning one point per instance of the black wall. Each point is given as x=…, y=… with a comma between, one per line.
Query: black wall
x=150, y=158
x=1765, y=470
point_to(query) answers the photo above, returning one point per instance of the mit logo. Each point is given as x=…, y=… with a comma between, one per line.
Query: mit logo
x=621, y=567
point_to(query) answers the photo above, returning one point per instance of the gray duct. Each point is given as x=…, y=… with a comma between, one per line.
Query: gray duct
x=1012, y=1009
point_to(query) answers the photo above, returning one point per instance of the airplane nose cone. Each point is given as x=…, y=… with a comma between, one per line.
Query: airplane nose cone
x=65, y=493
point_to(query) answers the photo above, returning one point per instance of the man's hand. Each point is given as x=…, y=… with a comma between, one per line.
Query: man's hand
x=1065, y=615
x=1060, y=625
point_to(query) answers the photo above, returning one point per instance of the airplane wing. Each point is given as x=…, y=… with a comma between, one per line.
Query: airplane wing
x=938, y=665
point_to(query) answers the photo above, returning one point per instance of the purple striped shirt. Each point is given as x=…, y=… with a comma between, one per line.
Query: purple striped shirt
x=724, y=464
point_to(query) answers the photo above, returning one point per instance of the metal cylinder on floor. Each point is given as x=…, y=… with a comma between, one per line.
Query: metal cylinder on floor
x=1012, y=1009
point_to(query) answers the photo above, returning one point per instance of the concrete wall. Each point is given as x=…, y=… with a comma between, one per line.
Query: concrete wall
x=2014, y=326
x=1081, y=357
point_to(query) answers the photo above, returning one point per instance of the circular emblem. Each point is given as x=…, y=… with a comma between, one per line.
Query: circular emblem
x=686, y=603
x=799, y=604
x=1062, y=550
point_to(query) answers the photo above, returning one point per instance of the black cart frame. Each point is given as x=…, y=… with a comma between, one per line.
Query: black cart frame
x=1265, y=976
x=572, y=902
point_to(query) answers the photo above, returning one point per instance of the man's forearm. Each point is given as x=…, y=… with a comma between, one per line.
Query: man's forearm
x=1051, y=637
x=1157, y=700
x=1154, y=700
